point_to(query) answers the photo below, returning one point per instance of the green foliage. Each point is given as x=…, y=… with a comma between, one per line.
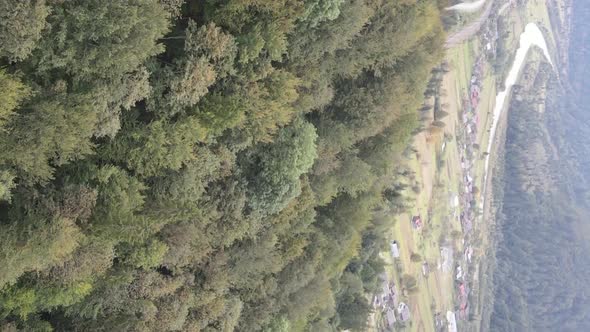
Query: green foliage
x=159, y=146
x=415, y=257
x=21, y=25
x=438, y=124
x=209, y=55
x=21, y=302
x=409, y=282
x=121, y=94
x=93, y=39
x=218, y=113
x=274, y=168
x=172, y=6
x=13, y=93
x=208, y=165
x=251, y=44
x=269, y=104
x=6, y=185
x=380, y=150
x=317, y=11
x=407, y=26
x=89, y=261
x=352, y=177
x=146, y=256
x=260, y=26
x=24, y=250
x=353, y=308
x=280, y=324
x=119, y=199
x=55, y=131
x=440, y=115
x=54, y=297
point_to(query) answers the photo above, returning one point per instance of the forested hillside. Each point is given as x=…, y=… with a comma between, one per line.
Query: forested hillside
x=209, y=165
x=575, y=125
x=541, y=280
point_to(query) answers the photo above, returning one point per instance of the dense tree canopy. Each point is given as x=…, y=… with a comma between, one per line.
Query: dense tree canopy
x=208, y=165
x=21, y=24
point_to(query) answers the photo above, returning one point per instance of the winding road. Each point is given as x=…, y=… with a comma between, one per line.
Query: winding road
x=471, y=29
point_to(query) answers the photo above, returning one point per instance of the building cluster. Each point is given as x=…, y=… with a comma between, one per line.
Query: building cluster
x=387, y=302
x=465, y=207
x=469, y=194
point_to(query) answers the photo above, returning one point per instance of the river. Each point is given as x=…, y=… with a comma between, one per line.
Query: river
x=467, y=7
x=532, y=36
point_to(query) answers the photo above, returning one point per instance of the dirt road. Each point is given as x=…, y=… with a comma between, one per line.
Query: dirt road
x=471, y=29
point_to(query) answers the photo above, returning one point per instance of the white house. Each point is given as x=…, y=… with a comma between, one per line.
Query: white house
x=394, y=249
x=451, y=321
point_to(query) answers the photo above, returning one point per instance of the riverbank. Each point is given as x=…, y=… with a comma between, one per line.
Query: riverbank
x=484, y=302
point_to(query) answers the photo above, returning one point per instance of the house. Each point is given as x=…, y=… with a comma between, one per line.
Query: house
x=394, y=249
x=403, y=311
x=390, y=317
x=417, y=222
x=382, y=296
x=451, y=321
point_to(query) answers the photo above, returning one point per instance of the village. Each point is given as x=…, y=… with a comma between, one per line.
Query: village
x=464, y=212
x=459, y=250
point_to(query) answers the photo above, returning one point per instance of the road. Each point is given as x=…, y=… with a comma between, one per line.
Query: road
x=470, y=30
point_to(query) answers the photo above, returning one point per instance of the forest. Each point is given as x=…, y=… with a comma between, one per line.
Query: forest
x=203, y=165
x=541, y=278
